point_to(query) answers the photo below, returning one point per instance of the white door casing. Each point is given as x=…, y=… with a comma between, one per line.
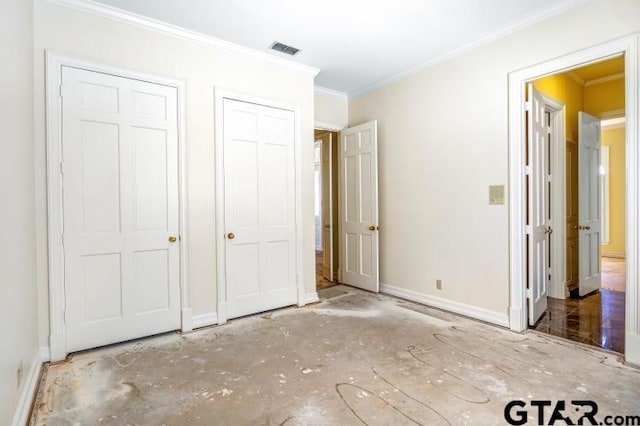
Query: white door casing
x=259, y=218
x=589, y=201
x=121, y=206
x=539, y=209
x=359, y=253
x=327, y=205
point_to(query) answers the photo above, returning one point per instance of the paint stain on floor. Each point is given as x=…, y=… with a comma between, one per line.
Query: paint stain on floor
x=354, y=358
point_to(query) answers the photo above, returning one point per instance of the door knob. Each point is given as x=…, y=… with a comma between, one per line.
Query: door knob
x=172, y=239
x=231, y=235
x=372, y=228
x=586, y=227
x=548, y=231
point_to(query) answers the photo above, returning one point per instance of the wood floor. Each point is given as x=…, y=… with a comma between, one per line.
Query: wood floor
x=597, y=319
x=321, y=282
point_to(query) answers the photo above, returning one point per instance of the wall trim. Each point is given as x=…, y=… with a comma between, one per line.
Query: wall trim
x=28, y=394
x=205, y=320
x=532, y=19
x=321, y=125
x=614, y=255
x=627, y=46
x=220, y=230
x=604, y=79
x=54, y=62
x=311, y=297
x=481, y=314
x=613, y=123
x=155, y=25
x=45, y=354
x=331, y=92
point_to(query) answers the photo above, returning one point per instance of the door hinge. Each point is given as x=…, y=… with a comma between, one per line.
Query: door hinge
x=62, y=167
x=64, y=315
x=527, y=106
x=529, y=293
x=527, y=170
x=61, y=91
x=528, y=229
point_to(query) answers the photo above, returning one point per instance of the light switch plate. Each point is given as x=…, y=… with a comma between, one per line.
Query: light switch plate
x=496, y=194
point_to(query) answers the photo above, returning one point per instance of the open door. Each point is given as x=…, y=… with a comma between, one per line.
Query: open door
x=327, y=205
x=359, y=206
x=539, y=208
x=589, y=211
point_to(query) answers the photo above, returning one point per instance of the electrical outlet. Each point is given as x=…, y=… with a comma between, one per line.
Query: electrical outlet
x=439, y=284
x=19, y=374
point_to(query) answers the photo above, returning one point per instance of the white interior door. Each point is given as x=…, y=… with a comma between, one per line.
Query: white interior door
x=359, y=206
x=120, y=197
x=589, y=202
x=327, y=206
x=259, y=211
x=538, y=208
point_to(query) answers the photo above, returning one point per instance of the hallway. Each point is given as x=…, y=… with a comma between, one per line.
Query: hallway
x=597, y=319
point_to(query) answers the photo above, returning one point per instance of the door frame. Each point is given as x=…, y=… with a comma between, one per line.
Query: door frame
x=219, y=95
x=557, y=109
x=54, y=61
x=627, y=46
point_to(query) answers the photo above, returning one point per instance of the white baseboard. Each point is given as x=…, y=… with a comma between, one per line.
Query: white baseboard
x=45, y=354
x=205, y=320
x=186, y=318
x=21, y=416
x=632, y=349
x=311, y=298
x=614, y=255
x=448, y=305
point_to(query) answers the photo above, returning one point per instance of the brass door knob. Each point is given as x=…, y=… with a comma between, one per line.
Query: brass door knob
x=586, y=227
x=172, y=239
x=372, y=228
x=231, y=235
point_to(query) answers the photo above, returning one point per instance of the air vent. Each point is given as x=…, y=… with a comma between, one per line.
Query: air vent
x=280, y=47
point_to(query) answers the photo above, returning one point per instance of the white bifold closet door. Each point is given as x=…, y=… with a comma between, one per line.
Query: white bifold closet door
x=120, y=196
x=259, y=207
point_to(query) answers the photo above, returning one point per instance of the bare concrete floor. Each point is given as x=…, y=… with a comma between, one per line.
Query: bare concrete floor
x=354, y=358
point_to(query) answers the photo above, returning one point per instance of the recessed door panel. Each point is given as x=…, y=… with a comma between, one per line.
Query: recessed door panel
x=100, y=176
x=102, y=287
x=151, y=197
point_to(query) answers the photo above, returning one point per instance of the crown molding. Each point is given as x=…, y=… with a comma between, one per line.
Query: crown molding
x=531, y=20
x=331, y=92
x=604, y=79
x=613, y=123
x=575, y=77
x=144, y=22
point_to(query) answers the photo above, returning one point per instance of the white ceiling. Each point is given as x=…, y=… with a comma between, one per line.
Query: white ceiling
x=357, y=44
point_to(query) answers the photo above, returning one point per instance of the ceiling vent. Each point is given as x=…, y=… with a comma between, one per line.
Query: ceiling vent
x=280, y=47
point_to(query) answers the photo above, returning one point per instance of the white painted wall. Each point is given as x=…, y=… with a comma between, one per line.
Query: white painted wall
x=202, y=68
x=331, y=110
x=18, y=308
x=443, y=141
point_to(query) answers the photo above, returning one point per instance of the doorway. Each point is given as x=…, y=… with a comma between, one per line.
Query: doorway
x=585, y=302
x=519, y=262
x=326, y=208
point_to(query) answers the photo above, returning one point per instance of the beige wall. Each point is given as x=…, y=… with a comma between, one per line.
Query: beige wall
x=331, y=110
x=201, y=68
x=18, y=308
x=444, y=139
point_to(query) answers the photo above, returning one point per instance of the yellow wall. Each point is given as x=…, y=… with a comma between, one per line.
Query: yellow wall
x=604, y=97
x=567, y=91
x=615, y=140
